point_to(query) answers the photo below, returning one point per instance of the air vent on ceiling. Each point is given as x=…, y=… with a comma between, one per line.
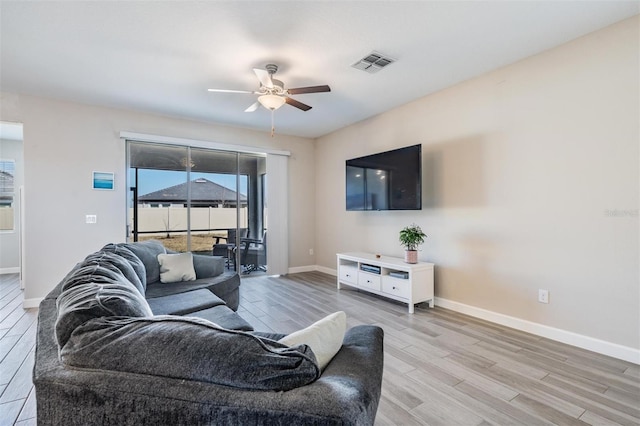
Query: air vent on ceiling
x=373, y=62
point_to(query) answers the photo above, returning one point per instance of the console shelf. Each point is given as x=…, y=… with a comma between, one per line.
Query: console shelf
x=387, y=276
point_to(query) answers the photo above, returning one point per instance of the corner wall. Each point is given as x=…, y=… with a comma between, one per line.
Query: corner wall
x=531, y=181
x=64, y=142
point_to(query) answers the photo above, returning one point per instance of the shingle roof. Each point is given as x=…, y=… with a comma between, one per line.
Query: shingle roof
x=202, y=190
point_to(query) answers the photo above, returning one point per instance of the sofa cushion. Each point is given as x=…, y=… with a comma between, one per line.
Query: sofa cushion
x=184, y=303
x=224, y=317
x=176, y=267
x=324, y=337
x=189, y=349
x=134, y=260
x=225, y=286
x=159, y=289
x=115, y=262
x=148, y=252
x=86, y=301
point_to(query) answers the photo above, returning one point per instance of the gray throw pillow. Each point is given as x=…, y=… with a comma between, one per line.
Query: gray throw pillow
x=148, y=252
x=189, y=349
x=134, y=260
x=86, y=301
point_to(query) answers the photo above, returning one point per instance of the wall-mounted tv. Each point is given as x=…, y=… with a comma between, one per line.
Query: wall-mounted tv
x=390, y=180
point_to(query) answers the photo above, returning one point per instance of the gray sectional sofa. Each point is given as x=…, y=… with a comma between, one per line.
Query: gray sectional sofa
x=116, y=346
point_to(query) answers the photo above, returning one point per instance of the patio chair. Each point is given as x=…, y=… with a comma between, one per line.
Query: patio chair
x=253, y=254
x=227, y=250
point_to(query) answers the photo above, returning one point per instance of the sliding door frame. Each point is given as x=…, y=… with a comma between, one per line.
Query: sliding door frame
x=277, y=191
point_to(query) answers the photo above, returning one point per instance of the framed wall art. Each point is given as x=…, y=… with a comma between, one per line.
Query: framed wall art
x=103, y=181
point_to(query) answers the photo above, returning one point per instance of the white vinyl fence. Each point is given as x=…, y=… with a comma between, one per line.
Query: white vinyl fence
x=157, y=221
x=6, y=219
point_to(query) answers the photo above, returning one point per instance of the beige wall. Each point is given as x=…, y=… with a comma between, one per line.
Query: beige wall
x=64, y=142
x=530, y=182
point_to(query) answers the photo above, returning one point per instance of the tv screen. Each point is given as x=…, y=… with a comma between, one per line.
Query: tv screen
x=390, y=180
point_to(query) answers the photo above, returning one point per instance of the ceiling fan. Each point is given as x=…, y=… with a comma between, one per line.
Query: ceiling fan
x=272, y=94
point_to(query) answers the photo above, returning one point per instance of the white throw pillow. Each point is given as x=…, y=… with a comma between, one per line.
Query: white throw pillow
x=323, y=337
x=176, y=267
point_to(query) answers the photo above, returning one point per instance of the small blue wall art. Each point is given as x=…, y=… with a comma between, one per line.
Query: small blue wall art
x=103, y=180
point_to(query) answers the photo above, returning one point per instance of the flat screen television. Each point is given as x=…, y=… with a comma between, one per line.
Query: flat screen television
x=390, y=180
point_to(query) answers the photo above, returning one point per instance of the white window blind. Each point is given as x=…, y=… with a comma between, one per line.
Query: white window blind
x=278, y=218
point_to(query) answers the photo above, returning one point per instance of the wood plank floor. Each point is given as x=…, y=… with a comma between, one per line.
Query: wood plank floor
x=17, y=344
x=441, y=368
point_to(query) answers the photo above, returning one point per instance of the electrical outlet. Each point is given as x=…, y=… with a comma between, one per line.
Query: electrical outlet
x=543, y=296
x=91, y=218
x=310, y=252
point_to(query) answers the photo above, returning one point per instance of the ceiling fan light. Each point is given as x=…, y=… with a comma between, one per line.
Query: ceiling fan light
x=271, y=102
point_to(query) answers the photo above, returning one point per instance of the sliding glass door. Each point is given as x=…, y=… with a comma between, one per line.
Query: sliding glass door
x=194, y=198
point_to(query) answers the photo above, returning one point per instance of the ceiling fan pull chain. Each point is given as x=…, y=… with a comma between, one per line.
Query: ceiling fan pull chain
x=273, y=127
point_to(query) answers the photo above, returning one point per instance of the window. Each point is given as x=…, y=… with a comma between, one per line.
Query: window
x=7, y=194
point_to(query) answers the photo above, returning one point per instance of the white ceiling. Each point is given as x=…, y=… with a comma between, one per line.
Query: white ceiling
x=162, y=56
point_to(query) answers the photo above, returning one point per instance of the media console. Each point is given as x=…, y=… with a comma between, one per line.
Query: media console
x=387, y=276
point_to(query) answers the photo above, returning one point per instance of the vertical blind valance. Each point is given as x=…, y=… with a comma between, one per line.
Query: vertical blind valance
x=278, y=221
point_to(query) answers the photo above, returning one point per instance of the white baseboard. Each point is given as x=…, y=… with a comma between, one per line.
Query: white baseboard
x=15, y=270
x=32, y=303
x=327, y=270
x=585, y=342
x=297, y=269
x=312, y=268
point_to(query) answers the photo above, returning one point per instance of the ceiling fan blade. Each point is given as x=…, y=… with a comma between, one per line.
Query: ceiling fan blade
x=229, y=91
x=297, y=104
x=310, y=89
x=264, y=77
x=254, y=106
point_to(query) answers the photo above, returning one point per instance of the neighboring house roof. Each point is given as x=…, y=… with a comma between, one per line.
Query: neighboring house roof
x=202, y=191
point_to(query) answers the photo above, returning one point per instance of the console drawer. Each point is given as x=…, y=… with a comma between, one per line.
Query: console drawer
x=349, y=274
x=369, y=281
x=396, y=286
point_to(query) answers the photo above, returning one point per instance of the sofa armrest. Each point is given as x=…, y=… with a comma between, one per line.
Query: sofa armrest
x=207, y=266
x=353, y=379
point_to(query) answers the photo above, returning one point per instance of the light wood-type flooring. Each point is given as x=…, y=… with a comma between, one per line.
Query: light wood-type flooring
x=441, y=367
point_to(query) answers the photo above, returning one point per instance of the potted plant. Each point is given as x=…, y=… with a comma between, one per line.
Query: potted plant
x=411, y=237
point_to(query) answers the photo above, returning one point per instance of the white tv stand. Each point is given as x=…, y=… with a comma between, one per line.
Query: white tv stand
x=379, y=277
